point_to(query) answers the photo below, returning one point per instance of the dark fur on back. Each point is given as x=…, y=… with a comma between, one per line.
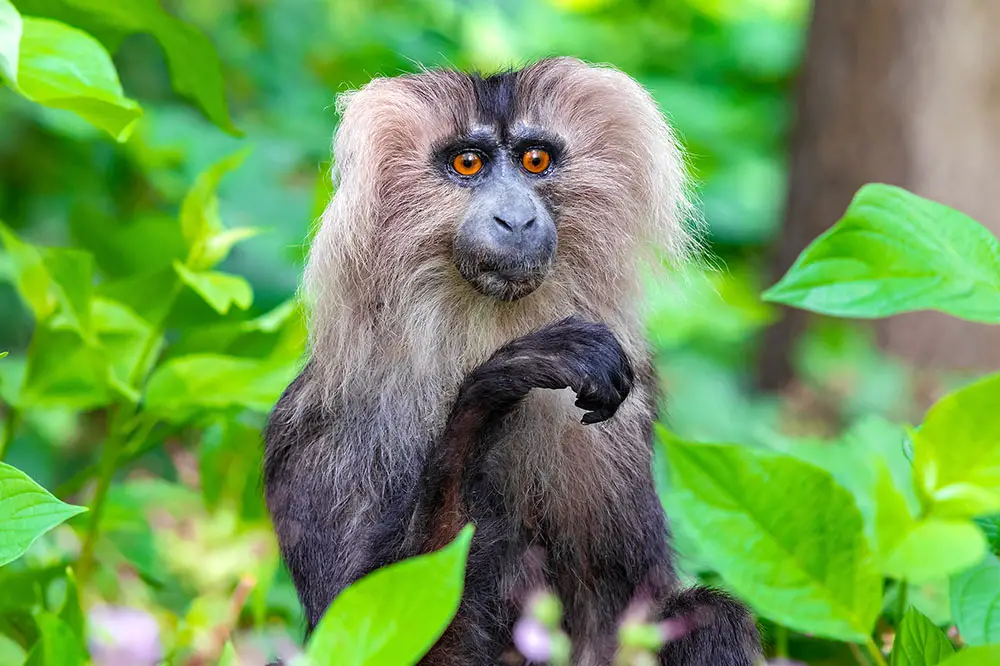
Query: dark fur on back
x=426, y=405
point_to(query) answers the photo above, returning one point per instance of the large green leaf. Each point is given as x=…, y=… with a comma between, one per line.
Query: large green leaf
x=10, y=40
x=65, y=68
x=957, y=451
x=220, y=290
x=394, y=615
x=975, y=602
x=919, y=642
x=194, y=66
x=188, y=384
x=781, y=533
x=894, y=252
x=27, y=511
x=986, y=655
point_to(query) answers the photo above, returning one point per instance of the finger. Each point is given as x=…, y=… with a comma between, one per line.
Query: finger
x=589, y=403
x=598, y=415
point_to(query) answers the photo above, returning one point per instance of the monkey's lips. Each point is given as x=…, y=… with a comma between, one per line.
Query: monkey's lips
x=501, y=280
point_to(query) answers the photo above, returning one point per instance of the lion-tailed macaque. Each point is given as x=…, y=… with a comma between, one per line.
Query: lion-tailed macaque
x=476, y=354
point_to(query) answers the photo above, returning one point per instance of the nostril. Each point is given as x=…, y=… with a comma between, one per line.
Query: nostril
x=530, y=223
x=502, y=223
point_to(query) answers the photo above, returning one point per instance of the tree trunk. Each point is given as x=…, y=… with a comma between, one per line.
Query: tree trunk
x=905, y=92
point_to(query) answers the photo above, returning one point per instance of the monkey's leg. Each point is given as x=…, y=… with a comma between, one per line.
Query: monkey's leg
x=713, y=630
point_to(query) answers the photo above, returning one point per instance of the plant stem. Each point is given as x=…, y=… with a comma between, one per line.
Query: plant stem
x=11, y=422
x=121, y=421
x=901, y=590
x=875, y=653
x=781, y=641
x=109, y=463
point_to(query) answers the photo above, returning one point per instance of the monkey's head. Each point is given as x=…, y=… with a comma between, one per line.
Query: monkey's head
x=523, y=195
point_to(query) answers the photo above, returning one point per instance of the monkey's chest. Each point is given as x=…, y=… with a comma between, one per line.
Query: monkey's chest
x=554, y=473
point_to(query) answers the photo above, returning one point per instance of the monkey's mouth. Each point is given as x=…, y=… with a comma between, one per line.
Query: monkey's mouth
x=501, y=280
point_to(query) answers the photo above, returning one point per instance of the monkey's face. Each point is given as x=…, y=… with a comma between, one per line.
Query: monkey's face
x=506, y=243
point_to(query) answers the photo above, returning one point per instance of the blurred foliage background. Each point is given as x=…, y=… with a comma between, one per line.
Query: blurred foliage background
x=185, y=523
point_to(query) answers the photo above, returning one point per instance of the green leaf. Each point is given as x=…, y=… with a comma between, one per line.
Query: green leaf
x=990, y=525
x=10, y=651
x=919, y=642
x=395, y=614
x=195, y=70
x=57, y=645
x=278, y=335
x=229, y=656
x=894, y=252
x=189, y=384
x=64, y=371
x=228, y=460
x=934, y=548
x=65, y=68
x=200, y=208
x=27, y=511
x=30, y=275
x=71, y=612
x=10, y=40
x=220, y=290
x=975, y=602
x=72, y=271
x=123, y=335
x=144, y=294
x=985, y=655
x=781, y=533
x=217, y=246
x=957, y=452
x=920, y=550
x=54, y=280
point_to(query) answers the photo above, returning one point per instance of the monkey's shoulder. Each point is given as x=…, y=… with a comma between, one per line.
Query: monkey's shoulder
x=299, y=413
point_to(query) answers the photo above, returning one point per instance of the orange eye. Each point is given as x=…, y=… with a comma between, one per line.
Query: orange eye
x=467, y=164
x=535, y=160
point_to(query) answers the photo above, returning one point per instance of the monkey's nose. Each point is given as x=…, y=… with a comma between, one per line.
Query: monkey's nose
x=513, y=225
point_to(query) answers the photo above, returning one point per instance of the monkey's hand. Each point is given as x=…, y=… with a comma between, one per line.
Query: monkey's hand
x=571, y=353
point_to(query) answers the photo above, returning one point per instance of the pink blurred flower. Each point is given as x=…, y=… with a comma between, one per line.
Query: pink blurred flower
x=121, y=636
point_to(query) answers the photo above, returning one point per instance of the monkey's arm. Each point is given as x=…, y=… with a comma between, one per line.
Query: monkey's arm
x=570, y=353
x=337, y=516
